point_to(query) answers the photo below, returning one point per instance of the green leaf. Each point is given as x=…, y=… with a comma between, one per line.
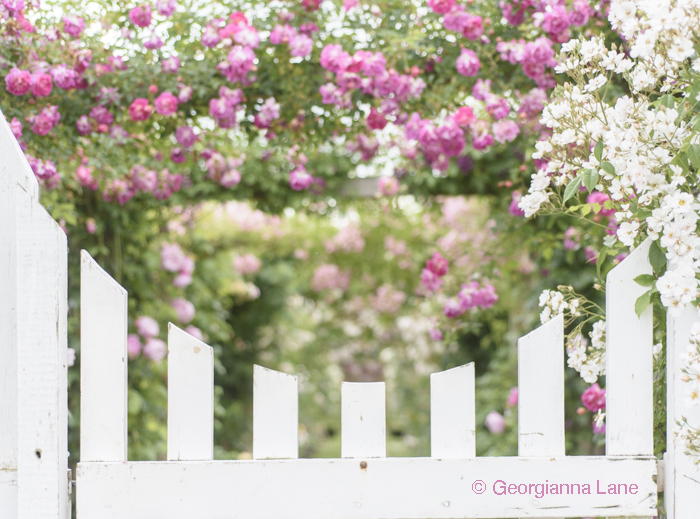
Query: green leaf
x=681, y=160
x=608, y=204
x=585, y=209
x=608, y=167
x=668, y=101
x=596, y=208
x=642, y=303
x=657, y=258
x=598, y=150
x=646, y=280
x=600, y=260
x=572, y=188
x=693, y=153
x=590, y=179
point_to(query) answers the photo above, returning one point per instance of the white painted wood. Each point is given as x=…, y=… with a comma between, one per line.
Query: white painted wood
x=33, y=345
x=541, y=391
x=275, y=414
x=452, y=413
x=388, y=488
x=682, y=476
x=190, y=397
x=103, y=365
x=363, y=420
x=629, y=372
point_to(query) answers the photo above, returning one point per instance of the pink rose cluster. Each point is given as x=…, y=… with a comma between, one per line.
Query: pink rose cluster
x=223, y=108
x=551, y=16
x=593, y=398
x=535, y=57
x=140, y=179
x=387, y=299
x=184, y=309
x=300, y=45
x=73, y=25
x=439, y=143
x=45, y=171
x=388, y=186
x=269, y=112
x=330, y=277
x=45, y=121
x=471, y=296
x=435, y=269
x=222, y=170
x=173, y=259
x=348, y=239
x=243, y=38
x=154, y=348
x=366, y=71
x=458, y=20
x=246, y=264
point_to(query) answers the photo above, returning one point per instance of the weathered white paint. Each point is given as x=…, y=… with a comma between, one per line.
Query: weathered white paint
x=629, y=372
x=682, y=476
x=541, y=391
x=363, y=420
x=275, y=414
x=190, y=397
x=33, y=345
x=387, y=488
x=452, y=413
x=103, y=364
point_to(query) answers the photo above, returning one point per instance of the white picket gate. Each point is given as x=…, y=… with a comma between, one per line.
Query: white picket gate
x=453, y=483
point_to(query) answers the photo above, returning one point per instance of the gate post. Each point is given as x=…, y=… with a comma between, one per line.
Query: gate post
x=33, y=346
x=682, y=475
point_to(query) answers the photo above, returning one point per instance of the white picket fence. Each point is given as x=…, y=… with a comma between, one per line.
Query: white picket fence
x=453, y=483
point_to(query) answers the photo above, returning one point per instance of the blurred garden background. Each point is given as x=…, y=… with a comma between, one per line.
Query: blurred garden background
x=327, y=189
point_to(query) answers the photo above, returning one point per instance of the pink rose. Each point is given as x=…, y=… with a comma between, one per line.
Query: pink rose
x=140, y=110
x=166, y=104
x=141, y=16
x=73, y=25
x=468, y=63
x=18, y=82
x=594, y=398
x=155, y=350
x=147, y=327
x=133, y=345
x=184, y=309
x=42, y=84
x=299, y=179
x=495, y=422
x=388, y=186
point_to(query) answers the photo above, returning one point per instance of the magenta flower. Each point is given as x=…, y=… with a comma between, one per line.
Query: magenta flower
x=556, y=20
x=468, y=63
x=73, y=25
x=171, y=65
x=230, y=178
x=140, y=110
x=64, y=77
x=171, y=257
x=16, y=128
x=453, y=308
x=184, y=309
x=166, y=7
x=42, y=84
x=375, y=120
x=300, y=46
x=388, y=186
x=329, y=277
x=334, y=58
x=464, y=116
x=594, y=398
x=473, y=28
x=147, y=327
x=133, y=345
x=155, y=350
x=45, y=121
x=299, y=179
x=451, y=139
x=239, y=63
x=102, y=115
x=210, y=36
x=141, y=16
x=438, y=265
x=185, y=136
x=441, y=6
x=18, y=82
x=195, y=332
x=430, y=280
x=512, y=399
x=166, y=104
x=505, y=131
x=495, y=422
x=514, y=208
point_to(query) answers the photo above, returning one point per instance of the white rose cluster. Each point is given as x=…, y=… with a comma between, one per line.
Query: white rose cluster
x=589, y=361
x=554, y=304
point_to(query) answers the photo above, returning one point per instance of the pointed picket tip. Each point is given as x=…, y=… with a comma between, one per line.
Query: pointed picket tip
x=633, y=265
x=541, y=390
x=190, y=397
x=14, y=164
x=275, y=414
x=88, y=265
x=452, y=413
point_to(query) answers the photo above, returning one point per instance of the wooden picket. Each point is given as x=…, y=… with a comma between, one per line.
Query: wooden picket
x=33, y=346
x=363, y=484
